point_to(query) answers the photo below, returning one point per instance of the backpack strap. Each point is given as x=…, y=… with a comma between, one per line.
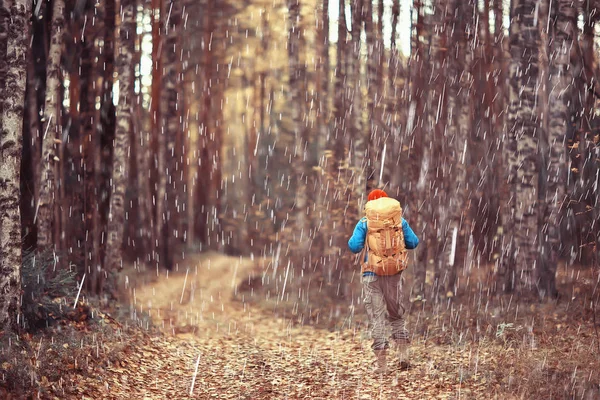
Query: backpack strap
x=361, y=256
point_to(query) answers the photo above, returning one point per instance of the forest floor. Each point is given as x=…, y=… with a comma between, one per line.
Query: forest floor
x=211, y=345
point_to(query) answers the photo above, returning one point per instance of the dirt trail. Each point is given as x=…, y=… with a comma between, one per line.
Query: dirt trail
x=198, y=298
x=241, y=353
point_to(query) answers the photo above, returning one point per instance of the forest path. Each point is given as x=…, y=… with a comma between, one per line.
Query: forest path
x=241, y=353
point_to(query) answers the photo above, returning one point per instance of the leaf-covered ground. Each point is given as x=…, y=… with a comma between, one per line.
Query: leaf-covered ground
x=242, y=353
x=212, y=346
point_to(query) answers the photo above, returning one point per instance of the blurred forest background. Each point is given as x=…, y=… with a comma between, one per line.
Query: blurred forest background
x=154, y=151
x=136, y=132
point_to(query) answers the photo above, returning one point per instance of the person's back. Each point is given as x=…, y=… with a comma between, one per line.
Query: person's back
x=385, y=235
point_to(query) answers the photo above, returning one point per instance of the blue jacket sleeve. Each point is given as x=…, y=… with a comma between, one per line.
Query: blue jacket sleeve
x=357, y=241
x=411, y=240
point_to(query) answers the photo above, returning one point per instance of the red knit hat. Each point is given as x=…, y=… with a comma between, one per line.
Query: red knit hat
x=377, y=194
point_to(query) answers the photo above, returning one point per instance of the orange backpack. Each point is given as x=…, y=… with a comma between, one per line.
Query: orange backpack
x=385, y=238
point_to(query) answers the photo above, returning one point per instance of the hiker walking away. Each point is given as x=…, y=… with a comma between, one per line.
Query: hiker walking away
x=384, y=236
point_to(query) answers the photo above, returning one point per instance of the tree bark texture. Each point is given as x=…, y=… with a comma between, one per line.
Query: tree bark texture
x=421, y=141
x=51, y=133
x=358, y=136
x=297, y=76
x=11, y=128
x=125, y=47
x=563, y=22
x=338, y=144
x=168, y=178
x=522, y=149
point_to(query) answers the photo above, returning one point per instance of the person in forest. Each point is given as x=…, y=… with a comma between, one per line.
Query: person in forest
x=384, y=236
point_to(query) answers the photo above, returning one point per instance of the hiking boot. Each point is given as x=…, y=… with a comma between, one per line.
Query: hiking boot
x=402, y=351
x=380, y=365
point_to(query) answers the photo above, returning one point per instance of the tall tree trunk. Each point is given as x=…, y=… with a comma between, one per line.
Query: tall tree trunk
x=125, y=47
x=169, y=181
x=458, y=233
x=455, y=137
x=92, y=59
x=51, y=133
x=193, y=109
x=375, y=139
x=357, y=135
x=142, y=143
x=563, y=22
x=396, y=104
x=4, y=20
x=12, y=95
x=422, y=141
x=507, y=143
x=435, y=118
x=297, y=74
x=337, y=145
x=507, y=269
x=158, y=167
x=588, y=154
x=206, y=187
x=323, y=76
x=523, y=142
x=34, y=123
x=501, y=58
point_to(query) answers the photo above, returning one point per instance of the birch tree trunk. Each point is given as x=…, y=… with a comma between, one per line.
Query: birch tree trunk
x=51, y=132
x=4, y=20
x=523, y=140
x=12, y=96
x=563, y=23
x=125, y=47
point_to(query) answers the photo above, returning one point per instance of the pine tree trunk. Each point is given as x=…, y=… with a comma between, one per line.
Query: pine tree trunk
x=51, y=133
x=422, y=139
x=157, y=163
x=12, y=98
x=459, y=229
x=455, y=137
x=142, y=133
x=34, y=124
x=296, y=83
x=125, y=48
x=338, y=144
x=375, y=137
x=91, y=77
x=322, y=79
x=357, y=134
x=170, y=116
x=193, y=109
x=499, y=134
x=435, y=118
x=396, y=105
